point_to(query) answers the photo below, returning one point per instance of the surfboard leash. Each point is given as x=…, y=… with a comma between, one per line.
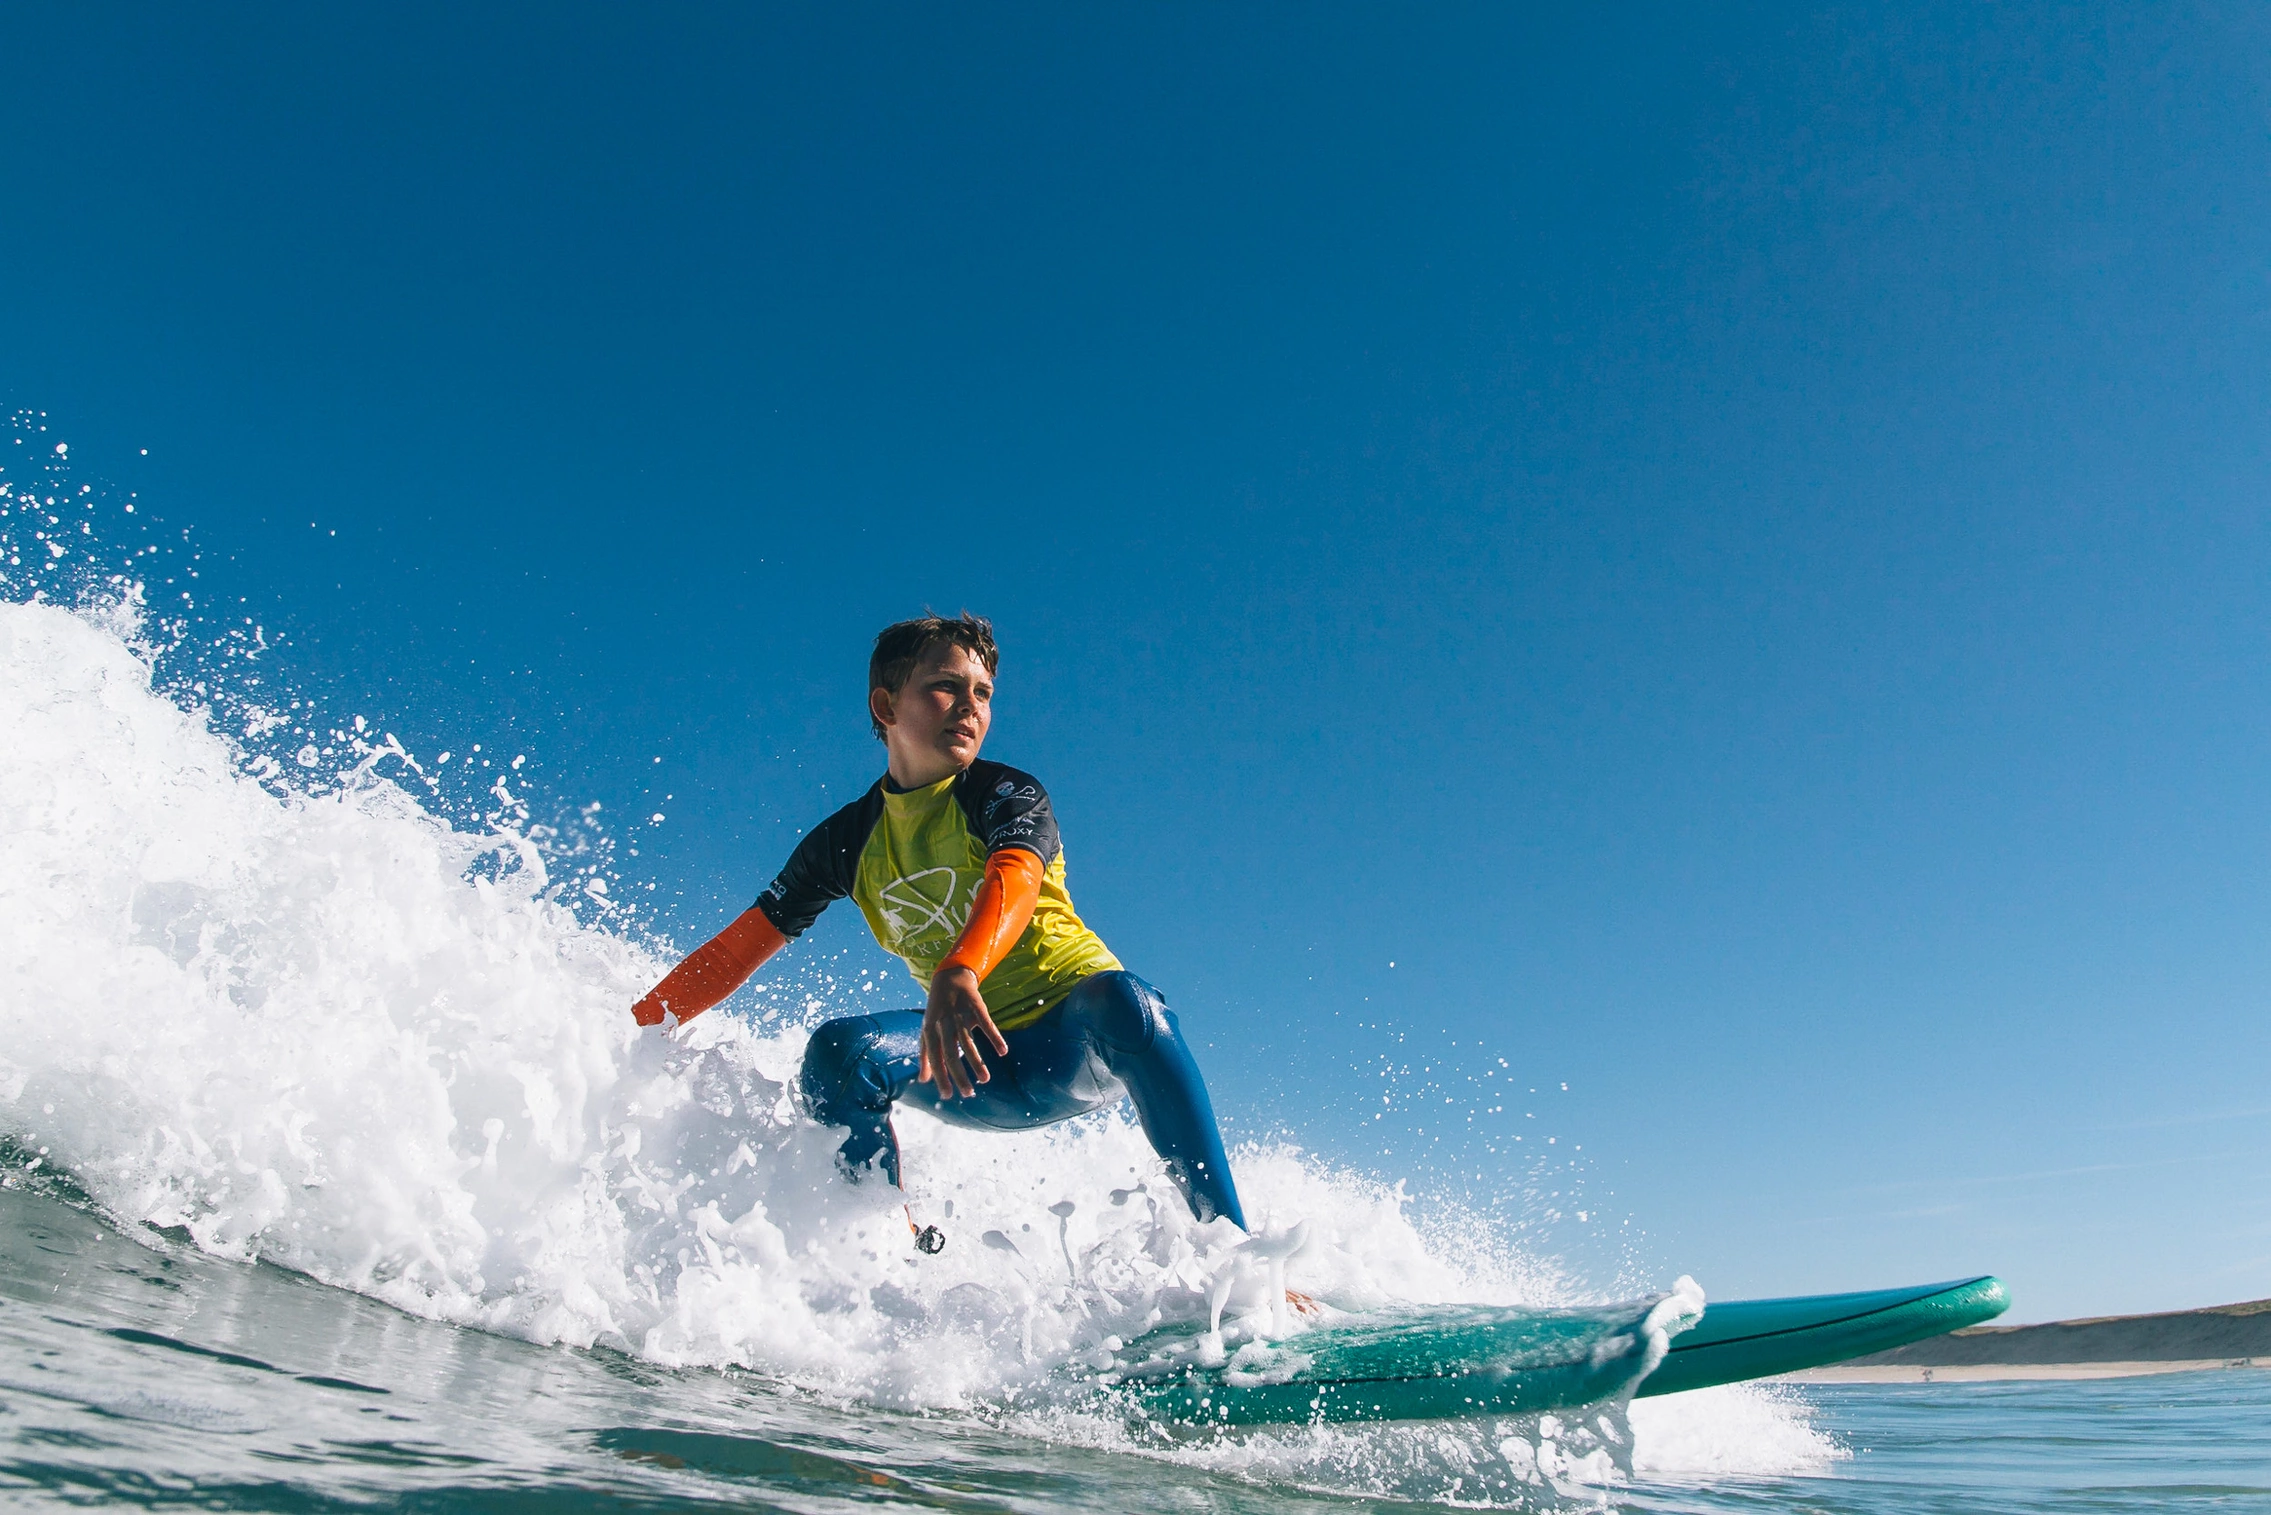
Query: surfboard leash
x=929, y=1240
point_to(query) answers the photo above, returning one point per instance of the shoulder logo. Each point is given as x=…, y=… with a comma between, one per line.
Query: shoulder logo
x=1004, y=787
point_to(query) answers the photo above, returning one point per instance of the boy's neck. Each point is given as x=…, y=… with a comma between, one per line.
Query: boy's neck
x=919, y=770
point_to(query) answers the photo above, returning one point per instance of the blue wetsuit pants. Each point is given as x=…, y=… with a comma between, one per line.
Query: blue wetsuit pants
x=1112, y=1035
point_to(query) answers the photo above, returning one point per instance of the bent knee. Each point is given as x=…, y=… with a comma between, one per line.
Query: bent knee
x=842, y=1074
x=1124, y=1012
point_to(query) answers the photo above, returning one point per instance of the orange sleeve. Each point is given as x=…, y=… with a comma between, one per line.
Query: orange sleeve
x=1004, y=903
x=713, y=970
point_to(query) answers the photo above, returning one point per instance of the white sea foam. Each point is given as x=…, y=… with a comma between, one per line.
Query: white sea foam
x=1745, y=1430
x=320, y=1026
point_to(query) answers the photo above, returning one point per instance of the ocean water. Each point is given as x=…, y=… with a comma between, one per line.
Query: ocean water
x=137, y=1370
x=334, y=1172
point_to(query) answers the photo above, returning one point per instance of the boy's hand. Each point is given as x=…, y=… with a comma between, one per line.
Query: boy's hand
x=951, y=1023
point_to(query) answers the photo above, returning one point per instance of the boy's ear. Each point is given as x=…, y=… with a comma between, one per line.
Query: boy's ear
x=879, y=706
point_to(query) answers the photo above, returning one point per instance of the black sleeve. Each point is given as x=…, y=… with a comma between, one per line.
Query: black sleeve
x=823, y=867
x=1008, y=808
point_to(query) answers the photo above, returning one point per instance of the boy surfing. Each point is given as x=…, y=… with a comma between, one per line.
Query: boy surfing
x=957, y=866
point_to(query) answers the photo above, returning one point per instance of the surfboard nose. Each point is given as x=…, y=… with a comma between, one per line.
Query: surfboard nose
x=1759, y=1338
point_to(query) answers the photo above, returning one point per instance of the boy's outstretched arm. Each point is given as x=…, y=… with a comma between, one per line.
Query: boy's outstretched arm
x=957, y=1011
x=713, y=970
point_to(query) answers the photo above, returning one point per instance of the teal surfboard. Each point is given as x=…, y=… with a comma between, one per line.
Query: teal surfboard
x=1454, y=1361
x=1758, y=1338
x=1422, y=1363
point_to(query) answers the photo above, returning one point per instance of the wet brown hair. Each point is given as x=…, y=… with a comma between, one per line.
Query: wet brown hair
x=903, y=644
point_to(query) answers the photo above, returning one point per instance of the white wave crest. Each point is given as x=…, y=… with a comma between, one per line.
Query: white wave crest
x=312, y=1029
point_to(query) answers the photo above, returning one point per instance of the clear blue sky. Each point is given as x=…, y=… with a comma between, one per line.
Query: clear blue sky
x=1729, y=545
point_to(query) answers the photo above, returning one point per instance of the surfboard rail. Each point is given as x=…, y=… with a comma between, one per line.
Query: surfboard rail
x=1462, y=1361
x=1760, y=1338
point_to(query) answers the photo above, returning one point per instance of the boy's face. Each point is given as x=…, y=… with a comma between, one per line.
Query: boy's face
x=934, y=724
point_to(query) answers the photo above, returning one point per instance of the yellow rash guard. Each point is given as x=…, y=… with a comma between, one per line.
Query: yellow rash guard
x=913, y=860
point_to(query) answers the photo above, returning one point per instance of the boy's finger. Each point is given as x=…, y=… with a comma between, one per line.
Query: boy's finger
x=976, y=1059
